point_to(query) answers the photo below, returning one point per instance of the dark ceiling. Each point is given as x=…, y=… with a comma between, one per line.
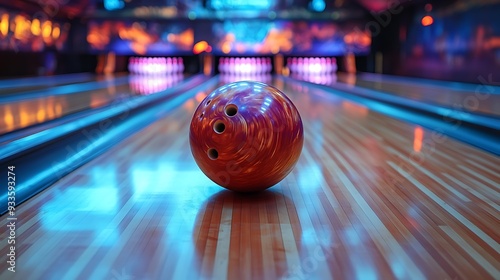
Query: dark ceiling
x=84, y=8
x=50, y=8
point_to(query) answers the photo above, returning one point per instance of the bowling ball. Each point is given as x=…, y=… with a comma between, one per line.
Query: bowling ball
x=246, y=136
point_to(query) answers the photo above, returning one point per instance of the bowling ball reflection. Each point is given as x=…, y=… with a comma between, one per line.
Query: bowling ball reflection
x=246, y=136
x=254, y=226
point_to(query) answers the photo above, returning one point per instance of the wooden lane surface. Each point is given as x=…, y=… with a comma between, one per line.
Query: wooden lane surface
x=23, y=113
x=11, y=86
x=370, y=198
x=481, y=98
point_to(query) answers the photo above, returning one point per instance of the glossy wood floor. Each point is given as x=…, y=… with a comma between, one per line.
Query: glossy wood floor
x=481, y=98
x=371, y=198
x=34, y=110
x=18, y=85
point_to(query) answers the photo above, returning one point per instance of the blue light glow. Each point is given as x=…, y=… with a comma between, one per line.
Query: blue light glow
x=241, y=4
x=67, y=209
x=162, y=179
x=267, y=102
x=248, y=31
x=317, y=5
x=113, y=4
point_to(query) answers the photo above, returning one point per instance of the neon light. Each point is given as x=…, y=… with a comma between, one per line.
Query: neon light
x=113, y=4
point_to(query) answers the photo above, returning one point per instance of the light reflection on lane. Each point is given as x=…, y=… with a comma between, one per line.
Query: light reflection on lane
x=20, y=114
x=326, y=217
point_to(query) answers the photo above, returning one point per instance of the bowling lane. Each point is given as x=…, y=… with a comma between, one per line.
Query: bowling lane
x=14, y=86
x=56, y=102
x=481, y=98
x=371, y=198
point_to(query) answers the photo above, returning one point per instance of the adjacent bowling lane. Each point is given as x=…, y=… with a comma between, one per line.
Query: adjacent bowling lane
x=371, y=197
x=58, y=101
x=14, y=86
x=481, y=98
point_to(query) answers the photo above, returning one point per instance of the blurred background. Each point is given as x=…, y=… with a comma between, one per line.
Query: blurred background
x=455, y=40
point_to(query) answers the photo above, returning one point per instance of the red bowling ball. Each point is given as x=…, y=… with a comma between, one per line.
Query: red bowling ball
x=246, y=136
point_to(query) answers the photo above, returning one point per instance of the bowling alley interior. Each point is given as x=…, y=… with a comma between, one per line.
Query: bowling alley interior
x=249, y=139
